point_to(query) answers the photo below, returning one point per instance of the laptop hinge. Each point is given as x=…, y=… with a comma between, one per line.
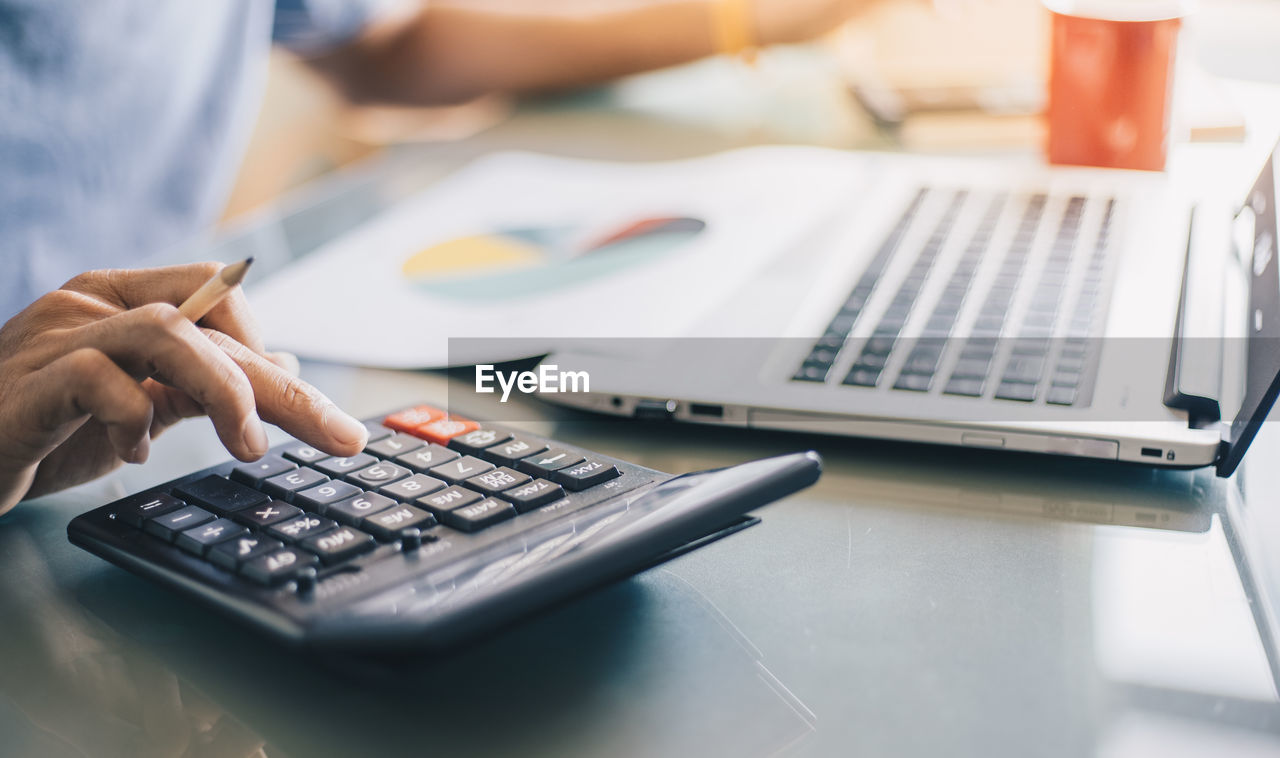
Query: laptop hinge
x=1194, y=379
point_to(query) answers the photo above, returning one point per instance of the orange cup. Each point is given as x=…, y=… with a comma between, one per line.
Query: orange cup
x=1111, y=82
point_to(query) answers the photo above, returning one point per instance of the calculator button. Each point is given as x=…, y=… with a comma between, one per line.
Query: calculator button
x=463, y=468
x=133, y=511
x=284, y=485
x=168, y=525
x=265, y=515
x=377, y=431
x=397, y=444
x=472, y=443
x=408, y=490
x=198, y=540
x=220, y=495
x=424, y=459
x=447, y=499
x=410, y=419
x=440, y=432
x=493, y=482
x=304, y=454
x=301, y=528
x=341, y=468
x=277, y=566
x=378, y=474
x=589, y=473
x=551, y=460
x=535, y=494
x=389, y=524
x=318, y=498
x=353, y=510
x=231, y=553
x=507, y=453
x=477, y=516
x=254, y=473
x=339, y=545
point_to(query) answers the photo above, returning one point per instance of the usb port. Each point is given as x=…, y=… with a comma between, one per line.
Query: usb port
x=703, y=409
x=1153, y=452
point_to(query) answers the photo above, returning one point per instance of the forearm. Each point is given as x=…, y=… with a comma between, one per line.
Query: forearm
x=448, y=53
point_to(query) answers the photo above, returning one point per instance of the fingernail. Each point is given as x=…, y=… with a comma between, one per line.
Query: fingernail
x=141, y=452
x=288, y=362
x=344, y=428
x=255, y=435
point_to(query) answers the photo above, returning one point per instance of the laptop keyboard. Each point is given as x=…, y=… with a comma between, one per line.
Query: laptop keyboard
x=1044, y=354
x=424, y=478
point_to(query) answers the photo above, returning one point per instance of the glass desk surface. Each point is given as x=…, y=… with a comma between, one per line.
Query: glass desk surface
x=917, y=601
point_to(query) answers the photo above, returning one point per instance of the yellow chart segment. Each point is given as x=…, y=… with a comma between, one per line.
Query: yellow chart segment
x=475, y=254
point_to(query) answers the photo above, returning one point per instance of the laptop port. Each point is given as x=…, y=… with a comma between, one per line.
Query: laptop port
x=704, y=409
x=1153, y=452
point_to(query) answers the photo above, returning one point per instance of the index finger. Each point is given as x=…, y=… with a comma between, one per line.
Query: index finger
x=133, y=288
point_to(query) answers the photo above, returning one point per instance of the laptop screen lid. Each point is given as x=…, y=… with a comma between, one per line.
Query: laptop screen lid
x=1262, y=370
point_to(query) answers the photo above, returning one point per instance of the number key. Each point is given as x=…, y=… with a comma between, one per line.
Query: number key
x=463, y=468
x=233, y=552
x=353, y=510
x=408, y=490
x=319, y=498
x=284, y=485
x=424, y=459
x=340, y=468
x=378, y=474
x=398, y=444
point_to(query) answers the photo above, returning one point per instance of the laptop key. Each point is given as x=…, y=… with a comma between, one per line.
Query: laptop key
x=477, y=516
x=278, y=566
x=319, y=498
x=493, y=482
x=1019, y=391
x=465, y=467
x=284, y=485
x=390, y=524
x=535, y=494
x=199, y=539
x=507, y=453
x=587, y=474
x=1061, y=396
x=862, y=378
x=553, y=459
x=254, y=473
x=231, y=553
x=139, y=508
x=339, y=545
x=167, y=526
x=424, y=459
x=914, y=382
x=261, y=516
x=220, y=495
x=472, y=443
x=964, y=387
x=353, y=510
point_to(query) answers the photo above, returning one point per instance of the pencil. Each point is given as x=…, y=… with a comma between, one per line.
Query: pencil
x=213, y=291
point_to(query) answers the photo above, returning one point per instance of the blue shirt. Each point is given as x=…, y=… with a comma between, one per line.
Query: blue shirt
x=122, y=123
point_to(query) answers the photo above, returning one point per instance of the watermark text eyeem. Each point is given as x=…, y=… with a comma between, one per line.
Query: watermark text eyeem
x=548, y=378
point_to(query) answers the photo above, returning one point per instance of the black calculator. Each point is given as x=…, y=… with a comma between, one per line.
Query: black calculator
x=441, y=530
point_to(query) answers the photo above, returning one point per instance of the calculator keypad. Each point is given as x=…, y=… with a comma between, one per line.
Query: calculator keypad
x=423, y=475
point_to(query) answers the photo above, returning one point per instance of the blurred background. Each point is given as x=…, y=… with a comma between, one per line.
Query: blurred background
x=953, y=75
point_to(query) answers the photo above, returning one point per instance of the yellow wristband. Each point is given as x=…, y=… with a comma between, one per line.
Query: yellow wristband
x=733, y=27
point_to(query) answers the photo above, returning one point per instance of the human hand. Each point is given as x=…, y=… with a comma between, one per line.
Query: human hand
x=789, y=21
x=92, y=372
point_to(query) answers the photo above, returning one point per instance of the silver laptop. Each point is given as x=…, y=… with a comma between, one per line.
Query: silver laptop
x=1086, y=313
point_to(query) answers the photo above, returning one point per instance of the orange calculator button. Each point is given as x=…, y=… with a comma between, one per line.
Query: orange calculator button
x=440, y=432
x=410, y=419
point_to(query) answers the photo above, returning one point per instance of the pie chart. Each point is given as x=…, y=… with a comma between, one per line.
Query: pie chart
x=528, y=262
